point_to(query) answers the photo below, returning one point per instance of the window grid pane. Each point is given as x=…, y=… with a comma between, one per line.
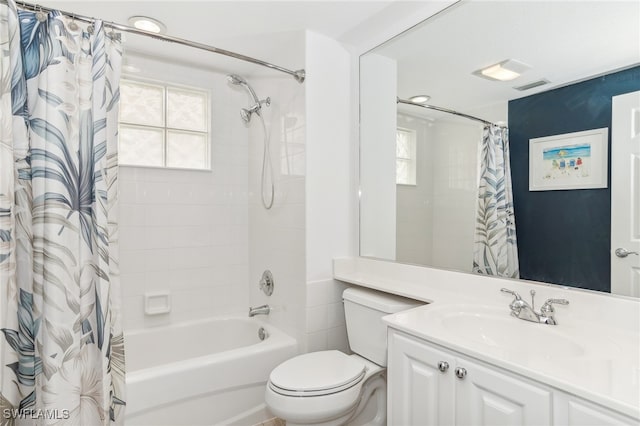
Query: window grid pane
x=141, y=146
x=152, y=118
x=186, y=150
x=141, y=104
x=402, y=145
x=405, y=157
x=402, y=171
x=186, y=110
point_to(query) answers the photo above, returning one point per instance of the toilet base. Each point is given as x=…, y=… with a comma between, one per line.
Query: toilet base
x=369, y=403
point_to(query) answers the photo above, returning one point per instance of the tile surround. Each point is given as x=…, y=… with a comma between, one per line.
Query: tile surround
x=187, y=231
x=204, y=235
x=325, y=321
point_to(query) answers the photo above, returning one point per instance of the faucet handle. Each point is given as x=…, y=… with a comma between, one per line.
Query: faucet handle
x=547, y=308
x=511, y=292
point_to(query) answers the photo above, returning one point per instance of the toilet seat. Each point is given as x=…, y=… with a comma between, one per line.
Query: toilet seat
x=317, y=374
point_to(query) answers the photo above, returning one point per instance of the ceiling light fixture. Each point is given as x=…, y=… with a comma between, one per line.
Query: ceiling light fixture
x=419, y=99
x=503, y=71
x=147, y=24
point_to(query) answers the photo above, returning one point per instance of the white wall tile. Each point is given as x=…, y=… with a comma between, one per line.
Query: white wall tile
x=131, y=215
x=274, y=243
x=316, y=319
x=132, y=285
x=187, y=231
x=159, y=260
x=337, y=339
x=335, y=315
x=133, y=238
x=132, y=261
x=157, y=281
x=336, y=288
x=317, y=341
x=133, y=312
x=317, y=294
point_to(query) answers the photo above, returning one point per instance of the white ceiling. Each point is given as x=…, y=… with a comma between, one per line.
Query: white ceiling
x=563, y=41
x=255, y=28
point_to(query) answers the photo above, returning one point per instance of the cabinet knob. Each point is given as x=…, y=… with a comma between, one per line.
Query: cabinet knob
x=461, y=372
x=443, y=366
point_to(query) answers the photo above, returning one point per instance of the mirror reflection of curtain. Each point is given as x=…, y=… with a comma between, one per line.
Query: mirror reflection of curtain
x=495, y=244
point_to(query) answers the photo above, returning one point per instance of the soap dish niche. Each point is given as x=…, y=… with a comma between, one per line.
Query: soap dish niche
x=157, y=303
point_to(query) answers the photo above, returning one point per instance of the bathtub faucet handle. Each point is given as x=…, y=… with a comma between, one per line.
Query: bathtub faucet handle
x=259, y=310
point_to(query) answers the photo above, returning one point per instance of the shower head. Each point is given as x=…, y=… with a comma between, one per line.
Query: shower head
x=236, y=79
x=245, y=113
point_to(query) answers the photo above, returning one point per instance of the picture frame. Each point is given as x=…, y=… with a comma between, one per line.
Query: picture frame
x=577, y=160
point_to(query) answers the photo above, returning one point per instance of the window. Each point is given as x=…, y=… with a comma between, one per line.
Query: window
x=163, y=126
x=405, y=157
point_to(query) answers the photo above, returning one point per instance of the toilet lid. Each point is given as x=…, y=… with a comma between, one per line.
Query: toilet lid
x=317, y=373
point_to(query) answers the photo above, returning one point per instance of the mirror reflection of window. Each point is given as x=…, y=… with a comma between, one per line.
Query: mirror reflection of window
x=405, y=157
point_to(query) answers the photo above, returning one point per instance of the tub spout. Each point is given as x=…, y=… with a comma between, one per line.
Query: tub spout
x=259, y=310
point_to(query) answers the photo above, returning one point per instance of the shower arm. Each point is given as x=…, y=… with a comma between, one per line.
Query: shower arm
x=298, y=75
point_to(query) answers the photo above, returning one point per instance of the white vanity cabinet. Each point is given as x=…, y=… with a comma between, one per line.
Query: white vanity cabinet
x=573, y=411
x=432, y=386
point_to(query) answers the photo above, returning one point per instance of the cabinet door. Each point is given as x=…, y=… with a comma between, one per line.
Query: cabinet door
x=487, y=397
x=419, y=393
x=570, y=410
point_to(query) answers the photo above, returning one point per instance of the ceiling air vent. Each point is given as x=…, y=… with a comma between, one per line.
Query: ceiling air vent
x=532, y=85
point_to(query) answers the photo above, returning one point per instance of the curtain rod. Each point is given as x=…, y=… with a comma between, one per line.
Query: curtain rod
x=450, y=111
x=299, y=75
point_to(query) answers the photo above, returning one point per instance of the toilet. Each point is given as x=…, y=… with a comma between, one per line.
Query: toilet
x=331, y=388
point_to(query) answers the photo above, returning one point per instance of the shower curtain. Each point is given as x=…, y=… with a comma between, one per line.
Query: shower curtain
x=495, y=246
x=61, y=341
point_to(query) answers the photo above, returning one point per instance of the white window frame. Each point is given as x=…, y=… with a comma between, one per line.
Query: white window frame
x=166, y=85
x=411, y=160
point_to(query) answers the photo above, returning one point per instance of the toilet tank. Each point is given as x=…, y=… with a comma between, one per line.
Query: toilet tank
x=364, y=309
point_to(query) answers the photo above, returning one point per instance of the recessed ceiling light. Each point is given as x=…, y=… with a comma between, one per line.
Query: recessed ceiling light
x=147, y=24
x=419, y=99
x=503, y=71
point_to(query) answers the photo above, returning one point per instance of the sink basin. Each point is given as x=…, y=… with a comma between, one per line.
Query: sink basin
x=496, y=329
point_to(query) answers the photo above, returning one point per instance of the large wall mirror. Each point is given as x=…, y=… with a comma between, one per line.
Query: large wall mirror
x=562, y=109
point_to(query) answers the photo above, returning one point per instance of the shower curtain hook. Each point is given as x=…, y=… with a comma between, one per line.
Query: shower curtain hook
x=113, y=35
x=40, y=15
x=72, y=25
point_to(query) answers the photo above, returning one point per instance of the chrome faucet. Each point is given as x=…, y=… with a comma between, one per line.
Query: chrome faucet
x=259, y=310
x=521, y=309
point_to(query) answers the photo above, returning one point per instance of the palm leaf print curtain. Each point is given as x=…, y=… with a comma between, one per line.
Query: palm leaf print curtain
x=61, y=341
x=495, y=245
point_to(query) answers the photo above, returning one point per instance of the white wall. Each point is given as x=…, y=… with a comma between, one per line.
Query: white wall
x=455, y=188
x=277, y=236
x=186, y=232
x=414, y=204
x=329, y=188
x=378, y=156
x=436, y=218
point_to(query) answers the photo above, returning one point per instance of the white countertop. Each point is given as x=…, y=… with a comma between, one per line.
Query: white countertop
x=593, y=352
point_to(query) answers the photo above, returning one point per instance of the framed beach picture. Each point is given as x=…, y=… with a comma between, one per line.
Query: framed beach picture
x=569, y=161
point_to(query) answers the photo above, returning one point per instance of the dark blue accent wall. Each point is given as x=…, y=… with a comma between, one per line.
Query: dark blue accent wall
x=564, y=237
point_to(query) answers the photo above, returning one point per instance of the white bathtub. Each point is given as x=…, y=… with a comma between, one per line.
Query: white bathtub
x=202, y=372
